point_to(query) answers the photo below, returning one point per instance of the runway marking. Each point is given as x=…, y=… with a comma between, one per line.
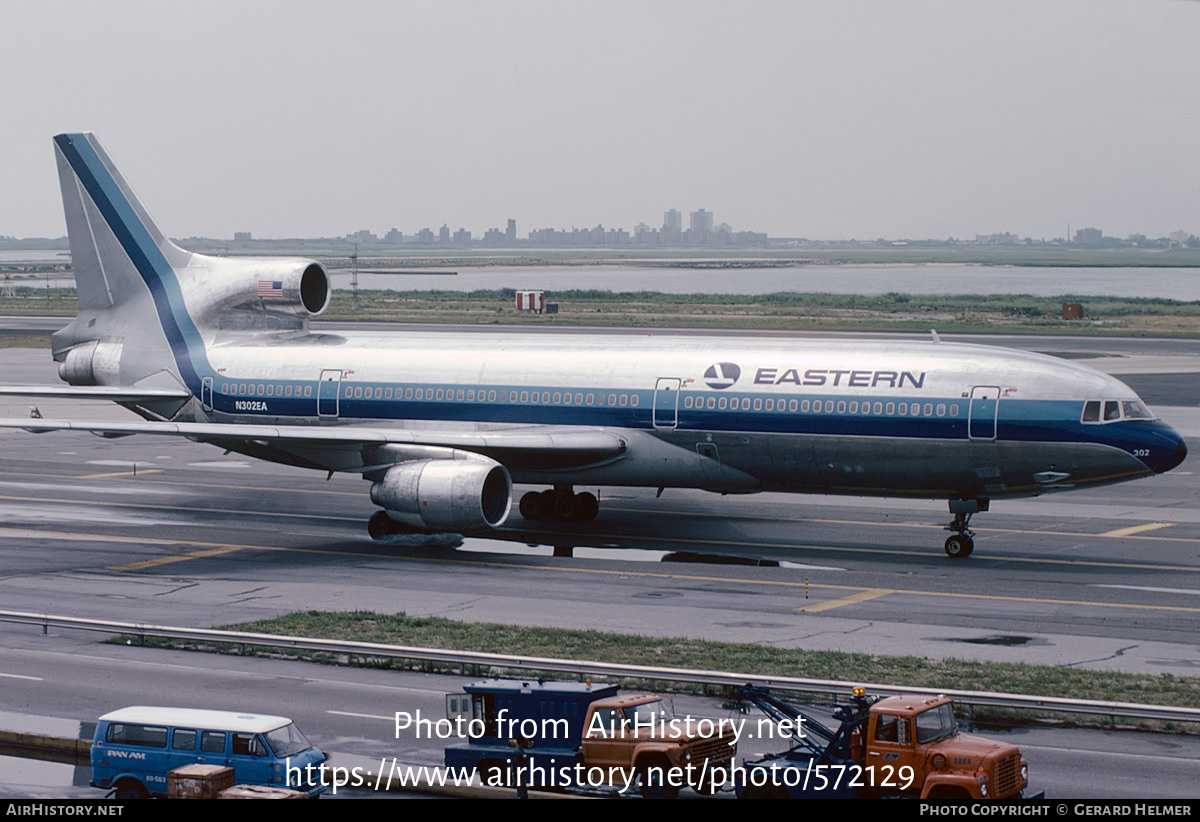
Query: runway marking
x=122, y=474
x=206, y=550
x=362, y=716
x=1118, y=533
x=1136, y=529
x=178, y=508
x=1150, y=589
x=19, y=676
x=547, y=538
x=153, y=563
x=828, y=605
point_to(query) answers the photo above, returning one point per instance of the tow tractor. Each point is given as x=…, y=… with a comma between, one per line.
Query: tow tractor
x=898, y=746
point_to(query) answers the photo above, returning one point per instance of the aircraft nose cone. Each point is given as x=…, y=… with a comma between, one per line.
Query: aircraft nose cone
x=1169, y=458
x=1180, y=453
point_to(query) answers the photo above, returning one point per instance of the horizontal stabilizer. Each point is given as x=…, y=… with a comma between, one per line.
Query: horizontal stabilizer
x=115, y=393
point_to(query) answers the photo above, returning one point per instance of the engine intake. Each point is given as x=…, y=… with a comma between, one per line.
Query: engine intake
x=452, y=495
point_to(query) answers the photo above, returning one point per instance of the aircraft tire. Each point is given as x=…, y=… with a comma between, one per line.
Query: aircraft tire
x=533, y=506
x=959, y=546
x=566, y=507
x=380, y=525
x=586, y=506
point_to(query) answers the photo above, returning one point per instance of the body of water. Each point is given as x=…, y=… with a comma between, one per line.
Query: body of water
x=1169, y=283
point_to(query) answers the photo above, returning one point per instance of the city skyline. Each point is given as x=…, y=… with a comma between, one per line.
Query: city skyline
x=819, y=119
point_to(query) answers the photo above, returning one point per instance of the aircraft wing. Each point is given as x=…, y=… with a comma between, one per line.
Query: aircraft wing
x=545, y=448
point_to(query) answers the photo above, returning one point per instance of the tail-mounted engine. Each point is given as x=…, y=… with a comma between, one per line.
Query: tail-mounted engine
x=291, y=287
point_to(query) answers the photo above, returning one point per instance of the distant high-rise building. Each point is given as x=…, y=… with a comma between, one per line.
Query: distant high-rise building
x=444, y=234
x=672, y=230
x=242, y=237
x=1088, y=235
x=701, y=225
x=510, y=233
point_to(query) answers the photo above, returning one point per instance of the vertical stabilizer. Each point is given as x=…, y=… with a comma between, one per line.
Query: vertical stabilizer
x=104, y=218
x=133, y=321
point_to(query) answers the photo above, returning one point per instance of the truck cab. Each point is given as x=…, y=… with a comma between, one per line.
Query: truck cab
x=922, y=733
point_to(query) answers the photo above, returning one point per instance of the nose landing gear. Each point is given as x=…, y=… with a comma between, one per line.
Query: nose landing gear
x=962, y=543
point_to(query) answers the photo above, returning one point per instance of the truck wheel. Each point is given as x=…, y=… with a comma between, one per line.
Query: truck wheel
x=652, y=784
x=130, y=789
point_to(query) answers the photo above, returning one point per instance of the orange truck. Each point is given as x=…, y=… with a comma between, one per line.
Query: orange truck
x=901, y=745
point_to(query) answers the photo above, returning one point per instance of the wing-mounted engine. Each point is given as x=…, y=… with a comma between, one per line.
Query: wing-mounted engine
x=453, y=495
x=223, y=292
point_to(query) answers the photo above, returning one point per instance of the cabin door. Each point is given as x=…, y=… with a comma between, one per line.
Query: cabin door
x=985, y=403
x=328, y=390
x=666, y=403
x=206, y=392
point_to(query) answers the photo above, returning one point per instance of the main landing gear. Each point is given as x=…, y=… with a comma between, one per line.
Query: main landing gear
x=560, y=503
x=381, y=526
x=962, y=542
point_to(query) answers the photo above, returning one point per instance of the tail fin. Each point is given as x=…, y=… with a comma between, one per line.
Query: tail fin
x=111, y=235
x=132, y=322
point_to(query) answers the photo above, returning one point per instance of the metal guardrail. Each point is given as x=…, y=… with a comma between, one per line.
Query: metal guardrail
x=577, y=667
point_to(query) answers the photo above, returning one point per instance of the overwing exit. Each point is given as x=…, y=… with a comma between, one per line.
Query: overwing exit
x=219, y=350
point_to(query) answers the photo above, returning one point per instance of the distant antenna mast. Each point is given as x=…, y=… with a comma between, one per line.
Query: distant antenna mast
x=9, y=291
x=354, y=277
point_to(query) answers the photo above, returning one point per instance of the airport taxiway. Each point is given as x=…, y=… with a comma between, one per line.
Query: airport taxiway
x=168, y=531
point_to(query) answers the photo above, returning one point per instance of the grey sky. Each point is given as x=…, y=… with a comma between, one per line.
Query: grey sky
x=821, y=119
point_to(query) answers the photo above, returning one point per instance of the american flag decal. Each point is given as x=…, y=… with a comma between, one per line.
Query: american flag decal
x=270, y=288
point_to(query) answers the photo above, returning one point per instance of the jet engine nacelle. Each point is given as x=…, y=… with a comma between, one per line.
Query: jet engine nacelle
x=94, y=363
x=283, y=286
x=452, y=495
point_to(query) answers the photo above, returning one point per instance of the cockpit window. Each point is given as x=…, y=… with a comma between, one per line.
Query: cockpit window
x=1102, y=411
x=1136, y=410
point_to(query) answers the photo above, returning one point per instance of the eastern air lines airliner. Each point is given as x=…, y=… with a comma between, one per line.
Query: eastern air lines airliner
x=219, y=350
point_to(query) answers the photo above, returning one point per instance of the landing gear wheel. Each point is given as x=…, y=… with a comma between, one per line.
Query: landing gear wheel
x=959, y=546
x=566, y=507
x=380, y=525
x=533, y=506
x=586, y=506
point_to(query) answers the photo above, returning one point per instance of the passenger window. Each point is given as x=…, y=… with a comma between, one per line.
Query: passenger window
x=247, y=745
x=146, y=736
x=183, y=741
x=212, y=742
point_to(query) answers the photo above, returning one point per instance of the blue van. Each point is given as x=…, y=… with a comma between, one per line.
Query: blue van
x=134, y=749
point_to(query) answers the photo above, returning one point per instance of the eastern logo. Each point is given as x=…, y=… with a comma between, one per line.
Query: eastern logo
x=722, y=374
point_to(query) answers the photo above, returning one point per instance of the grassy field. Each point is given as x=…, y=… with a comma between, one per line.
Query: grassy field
x=950, y=674
x=783, y=311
